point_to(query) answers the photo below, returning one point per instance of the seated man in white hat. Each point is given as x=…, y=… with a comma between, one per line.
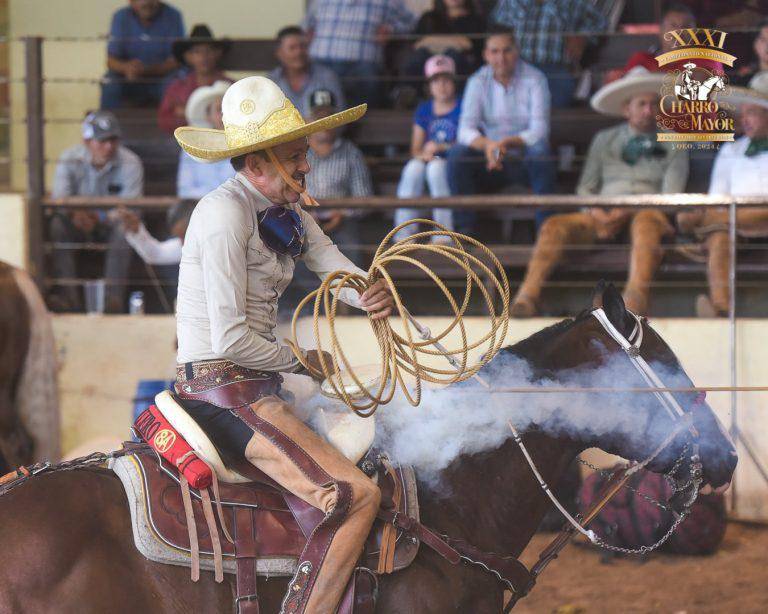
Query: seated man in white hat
x=238, y=257
x=622, y=160
x=740, y=169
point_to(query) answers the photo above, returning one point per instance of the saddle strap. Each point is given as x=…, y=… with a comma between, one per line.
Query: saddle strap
x=389, y=533
x=508, y=570
x=218, y=561
x=194, y=547
x=247, y=601
x=413, y=527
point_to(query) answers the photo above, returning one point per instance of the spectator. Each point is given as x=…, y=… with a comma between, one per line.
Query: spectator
x=676, y=17
x=503, y=128
x=547, y=32
x=139, y=56
x=148, y=247
x=434, y=130
x=297, y=75
x=349, y=38
x=760, y=64
x=622, y=160
x=338, y=171
x=99, y=166
x=444, y=30
x=203, y=110
x=201, y=54
x=741, y=169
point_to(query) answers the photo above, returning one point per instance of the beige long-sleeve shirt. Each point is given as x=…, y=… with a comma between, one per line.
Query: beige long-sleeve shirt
x=606, y=173
x=230, y=282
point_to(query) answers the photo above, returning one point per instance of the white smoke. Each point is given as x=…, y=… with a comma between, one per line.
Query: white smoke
x=467, y=420
x=449, y=422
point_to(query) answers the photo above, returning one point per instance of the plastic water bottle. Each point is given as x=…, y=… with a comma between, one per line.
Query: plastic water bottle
x=136, y=303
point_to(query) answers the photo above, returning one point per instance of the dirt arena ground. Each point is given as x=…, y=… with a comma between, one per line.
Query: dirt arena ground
x=734, y=580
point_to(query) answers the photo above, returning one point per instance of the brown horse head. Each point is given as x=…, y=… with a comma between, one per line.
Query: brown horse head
x=582, y=352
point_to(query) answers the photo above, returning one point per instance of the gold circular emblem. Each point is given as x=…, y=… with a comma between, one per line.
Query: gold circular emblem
x=164, y=440
x=247, y=106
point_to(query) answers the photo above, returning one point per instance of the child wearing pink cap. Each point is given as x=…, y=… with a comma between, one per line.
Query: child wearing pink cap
x=435, y=125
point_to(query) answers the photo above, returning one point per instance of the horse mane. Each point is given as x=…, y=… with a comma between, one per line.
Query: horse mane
x=526, y=346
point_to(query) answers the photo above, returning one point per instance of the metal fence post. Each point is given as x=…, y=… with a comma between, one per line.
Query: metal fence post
x=734, y=430
x=35, y=154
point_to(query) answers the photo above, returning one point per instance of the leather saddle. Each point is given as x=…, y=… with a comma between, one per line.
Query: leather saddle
x=280, y=521
x=174, y=523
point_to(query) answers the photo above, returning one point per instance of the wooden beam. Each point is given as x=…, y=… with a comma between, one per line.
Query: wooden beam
x=33, y=49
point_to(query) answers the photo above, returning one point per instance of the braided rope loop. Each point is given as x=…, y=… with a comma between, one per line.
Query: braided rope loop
x=402, y=355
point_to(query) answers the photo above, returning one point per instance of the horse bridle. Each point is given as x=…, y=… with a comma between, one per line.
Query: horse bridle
x=683, y=421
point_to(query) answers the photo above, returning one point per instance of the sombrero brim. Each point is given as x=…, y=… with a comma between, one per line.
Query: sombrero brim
x=211, y=145
x=610, y=98
x=744, y=95
x=180, y=47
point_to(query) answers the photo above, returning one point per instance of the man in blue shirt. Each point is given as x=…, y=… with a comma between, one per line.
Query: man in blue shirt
x=139, y=55
x=503, y=129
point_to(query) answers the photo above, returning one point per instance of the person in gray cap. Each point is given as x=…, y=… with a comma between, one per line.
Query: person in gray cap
x=99, y=166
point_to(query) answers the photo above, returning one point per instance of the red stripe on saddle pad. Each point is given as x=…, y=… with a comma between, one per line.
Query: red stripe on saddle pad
x=153, y=428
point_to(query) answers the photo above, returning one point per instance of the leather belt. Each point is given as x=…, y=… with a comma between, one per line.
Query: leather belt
x=225, y=384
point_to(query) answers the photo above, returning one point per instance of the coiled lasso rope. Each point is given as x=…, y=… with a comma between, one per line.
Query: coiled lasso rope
x=403, y=354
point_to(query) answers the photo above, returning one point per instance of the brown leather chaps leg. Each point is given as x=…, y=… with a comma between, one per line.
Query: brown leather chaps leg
x=294, y=456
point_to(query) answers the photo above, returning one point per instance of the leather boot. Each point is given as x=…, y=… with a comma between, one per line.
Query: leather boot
x=646, y=231
x=556, y=233
x=718, y=266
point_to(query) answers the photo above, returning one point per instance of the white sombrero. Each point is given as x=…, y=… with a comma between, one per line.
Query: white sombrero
x=755, y=93
x=197, y=105
x=610, y=98
x=257, y=115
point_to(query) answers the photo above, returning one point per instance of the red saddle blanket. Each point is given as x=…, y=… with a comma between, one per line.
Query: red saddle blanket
x=280, y=521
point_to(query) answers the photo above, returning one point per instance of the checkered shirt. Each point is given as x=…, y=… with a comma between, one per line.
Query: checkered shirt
x=540, y=27
x=345, y=30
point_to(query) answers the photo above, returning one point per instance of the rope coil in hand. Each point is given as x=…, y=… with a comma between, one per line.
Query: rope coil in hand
x=404, y=354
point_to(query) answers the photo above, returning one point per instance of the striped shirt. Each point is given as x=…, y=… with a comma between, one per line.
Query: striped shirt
x=340, y=174
x=346, y=30
x=540, y=26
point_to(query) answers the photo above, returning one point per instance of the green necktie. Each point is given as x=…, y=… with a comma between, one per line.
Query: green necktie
x=756, y=146
x=639, y=146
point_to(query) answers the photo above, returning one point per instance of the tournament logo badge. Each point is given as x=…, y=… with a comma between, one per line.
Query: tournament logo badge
x=689, y=109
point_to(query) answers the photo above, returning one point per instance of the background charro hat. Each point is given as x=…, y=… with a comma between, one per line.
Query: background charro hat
x=200, y=33
x=257, y=115
x=197, y=104
x=610, y=98
x=755, y=93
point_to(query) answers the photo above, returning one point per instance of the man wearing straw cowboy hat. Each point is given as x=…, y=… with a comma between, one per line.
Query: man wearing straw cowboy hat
x=622, y=160
x=237, y=259
x=740, y=169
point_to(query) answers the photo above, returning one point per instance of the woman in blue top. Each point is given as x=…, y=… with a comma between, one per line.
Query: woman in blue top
x=435, y=125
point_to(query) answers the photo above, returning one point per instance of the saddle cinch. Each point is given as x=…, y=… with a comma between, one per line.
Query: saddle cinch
x=259, y=529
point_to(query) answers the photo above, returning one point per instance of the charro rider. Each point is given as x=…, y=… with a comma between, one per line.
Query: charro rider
x=237, y=260
x=690, y=84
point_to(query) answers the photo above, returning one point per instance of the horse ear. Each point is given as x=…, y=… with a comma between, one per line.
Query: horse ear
x=597, y=295
x=613, y=305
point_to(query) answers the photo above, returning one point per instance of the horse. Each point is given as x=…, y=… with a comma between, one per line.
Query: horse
x=29, y=413
x=68, y=547
x=714, y=83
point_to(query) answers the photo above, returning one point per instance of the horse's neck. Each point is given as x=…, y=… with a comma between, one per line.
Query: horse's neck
x=492, y=499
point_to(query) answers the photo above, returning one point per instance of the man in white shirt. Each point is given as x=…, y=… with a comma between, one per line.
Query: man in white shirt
x=503, y=129
x=237, y=259
x=740, y=169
